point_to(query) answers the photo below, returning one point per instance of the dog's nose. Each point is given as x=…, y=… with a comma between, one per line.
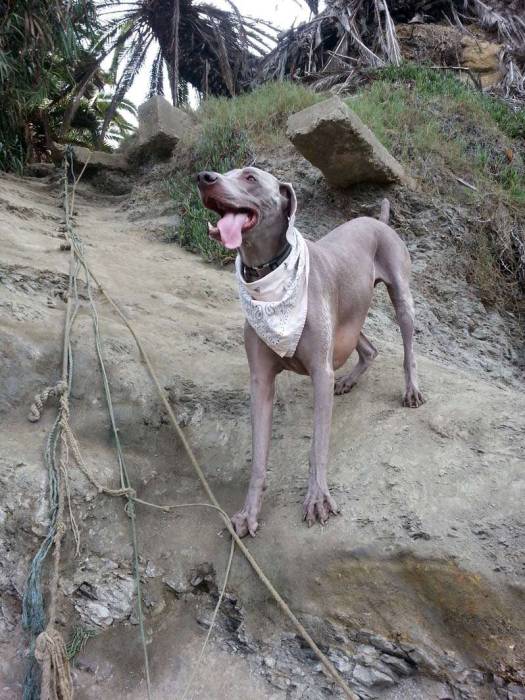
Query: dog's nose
x=206, y=177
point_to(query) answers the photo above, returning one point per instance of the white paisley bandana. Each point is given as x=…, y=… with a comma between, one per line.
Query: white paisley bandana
x=275, y=306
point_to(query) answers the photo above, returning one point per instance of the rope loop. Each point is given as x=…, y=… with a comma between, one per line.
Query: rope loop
x=130, y=506
x=40, y=400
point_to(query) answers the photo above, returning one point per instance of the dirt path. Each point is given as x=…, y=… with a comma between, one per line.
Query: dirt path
x=416, y=590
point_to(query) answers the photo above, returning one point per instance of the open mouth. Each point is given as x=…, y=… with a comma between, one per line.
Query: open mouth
x=233, y=222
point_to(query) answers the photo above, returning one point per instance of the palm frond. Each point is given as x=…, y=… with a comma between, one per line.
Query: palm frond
x=156, y=83
x=129, y=73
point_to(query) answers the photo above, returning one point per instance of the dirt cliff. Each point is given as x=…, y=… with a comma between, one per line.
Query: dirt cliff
x=415, y=591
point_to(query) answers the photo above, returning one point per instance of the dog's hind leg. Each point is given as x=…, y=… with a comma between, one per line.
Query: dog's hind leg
x=401, y=297
x=367, y=353
x=319, y=504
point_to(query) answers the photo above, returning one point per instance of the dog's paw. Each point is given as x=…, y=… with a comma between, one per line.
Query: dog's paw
x=413, y=398
x=245, y=523
x=343, y=385
x=318, y=506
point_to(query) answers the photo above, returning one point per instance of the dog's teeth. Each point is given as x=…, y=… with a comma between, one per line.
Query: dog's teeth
x=210, y=227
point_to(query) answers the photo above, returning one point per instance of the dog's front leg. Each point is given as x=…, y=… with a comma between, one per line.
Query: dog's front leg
x=263, y=372
x=319, y=504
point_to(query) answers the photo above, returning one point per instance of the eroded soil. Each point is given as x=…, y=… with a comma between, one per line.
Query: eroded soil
x=415, y=591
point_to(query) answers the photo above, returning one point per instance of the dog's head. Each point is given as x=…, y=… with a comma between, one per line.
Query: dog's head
x=248, y=201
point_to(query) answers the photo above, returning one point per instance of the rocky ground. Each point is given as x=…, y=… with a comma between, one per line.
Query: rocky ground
x=415, y=591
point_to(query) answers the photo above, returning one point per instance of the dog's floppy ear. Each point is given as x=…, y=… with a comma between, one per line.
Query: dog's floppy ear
x=288, y=199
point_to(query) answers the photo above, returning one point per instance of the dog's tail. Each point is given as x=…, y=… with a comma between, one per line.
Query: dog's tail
x=385, y=211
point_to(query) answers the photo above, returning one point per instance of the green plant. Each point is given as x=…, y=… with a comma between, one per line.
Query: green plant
x=433, y=121
x=51, y=85
x=442, y=128
x=513, y=182
x=38, y=44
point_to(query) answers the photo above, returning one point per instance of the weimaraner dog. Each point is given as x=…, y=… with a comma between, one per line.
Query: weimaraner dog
x=344, y=266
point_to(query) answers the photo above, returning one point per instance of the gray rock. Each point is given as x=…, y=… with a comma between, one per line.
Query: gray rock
x=151, y=570
x=340, y=661
x=96, y=613
x=97, y=160
x=371, y=677
x=515, y=691
x=112, y=600
x=400, y=667
x=333, y=138
x=161, y=126
x=480, y=333
x=101, y=592
x=381, y=643
x=367, y=655
x=178, y=583
x=204, y=620
x=422, y=658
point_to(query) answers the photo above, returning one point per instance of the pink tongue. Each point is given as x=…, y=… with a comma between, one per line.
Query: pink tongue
x=230, y=227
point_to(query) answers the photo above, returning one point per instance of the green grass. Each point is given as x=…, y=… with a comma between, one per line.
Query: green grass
x=219, y=147
x=442, y=128
x=431, y=82
x=261, y=114
x=435, y=123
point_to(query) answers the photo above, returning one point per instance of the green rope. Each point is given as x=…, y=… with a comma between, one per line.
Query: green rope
x=125, y=483
x=79, y=639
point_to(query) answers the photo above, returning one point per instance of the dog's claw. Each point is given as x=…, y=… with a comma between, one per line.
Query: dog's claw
x=413, y=398
x=318, y=506
x=245, y=523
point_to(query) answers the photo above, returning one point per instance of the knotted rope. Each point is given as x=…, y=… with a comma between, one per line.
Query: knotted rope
x=47, y=646
x=43, y=397
x=51, y=654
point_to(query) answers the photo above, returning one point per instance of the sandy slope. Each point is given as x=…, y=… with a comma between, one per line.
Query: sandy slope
x=427, y=554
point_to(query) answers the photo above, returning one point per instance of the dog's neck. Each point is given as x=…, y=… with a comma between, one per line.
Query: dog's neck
x=263, y=246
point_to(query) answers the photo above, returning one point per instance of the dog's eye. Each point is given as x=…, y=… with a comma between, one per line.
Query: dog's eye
x=250, y=178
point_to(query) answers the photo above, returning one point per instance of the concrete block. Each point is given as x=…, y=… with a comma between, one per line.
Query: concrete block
x=98, y=160
x=161, y=126
x=333, y=138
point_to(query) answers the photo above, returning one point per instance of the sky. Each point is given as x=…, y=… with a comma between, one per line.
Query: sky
x=282, y=13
